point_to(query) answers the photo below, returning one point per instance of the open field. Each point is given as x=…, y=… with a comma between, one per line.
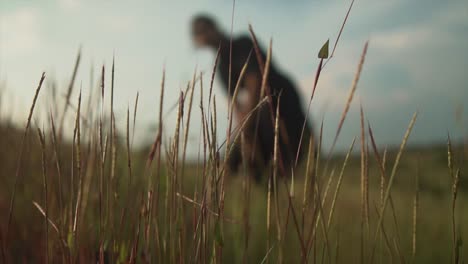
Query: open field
x=75, y=189
x=105, y=200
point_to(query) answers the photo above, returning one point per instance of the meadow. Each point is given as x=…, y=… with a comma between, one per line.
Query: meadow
x=83, y=193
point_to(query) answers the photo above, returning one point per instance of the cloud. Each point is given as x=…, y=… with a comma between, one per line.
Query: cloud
x=403, y=65
x=20, y=32
x=401, y=38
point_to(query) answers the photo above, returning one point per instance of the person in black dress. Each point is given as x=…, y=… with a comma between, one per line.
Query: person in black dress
x=259, y=132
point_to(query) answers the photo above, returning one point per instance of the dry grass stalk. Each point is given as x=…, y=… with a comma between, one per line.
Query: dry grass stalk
x=415, y=212
x=156, y=149
x=455, y=179
x=246, y=186
x=243, y=124
x=211, y=211
x=338, y=184
x=45, y=192
x=275, y=181
x=20, y=157
x=340, y=32
x=77, y=140
x=392, y=177
x=450, y=157
x=213, y=74
x=268, y=216
x=265, y=92
x=315, y=176
x=233, y=104
x=380, y=161
x=320, y=67
x=308, y=174
x=455, y=235
x=350, y=97
x=265, y=73
x=320, y=203
x=381, y=166
x=386, y=239
x=111, y=186
x=135, y=109
x=317, y=76
x=69, y=93
x=59, y=171
x=101, y=168
x=51, y=223
x=230, y=46
x=173, y=186
x=382, y=177
x=364, y=186
x=187, y=125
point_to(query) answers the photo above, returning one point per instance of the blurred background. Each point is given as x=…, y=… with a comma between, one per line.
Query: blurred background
x=417, y=59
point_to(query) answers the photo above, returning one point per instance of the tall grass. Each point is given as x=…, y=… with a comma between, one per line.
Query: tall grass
x=105, y=200
x=101, y=204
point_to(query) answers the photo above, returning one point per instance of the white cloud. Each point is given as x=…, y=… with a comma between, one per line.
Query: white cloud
x=405, y=45
x=400, y=39
x=19, y=32
x=420, y=34
x=329, y=96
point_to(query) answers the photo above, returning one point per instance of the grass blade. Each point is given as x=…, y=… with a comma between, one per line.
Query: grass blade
x=392, y=177
x=20, y=157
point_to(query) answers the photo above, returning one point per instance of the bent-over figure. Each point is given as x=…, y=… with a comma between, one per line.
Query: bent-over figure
x=260, y=130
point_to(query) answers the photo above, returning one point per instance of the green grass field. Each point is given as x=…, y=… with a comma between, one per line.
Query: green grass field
x=82, y=193
x=108, y=201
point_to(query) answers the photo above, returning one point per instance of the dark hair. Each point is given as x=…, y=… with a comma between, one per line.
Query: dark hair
x=202, y=21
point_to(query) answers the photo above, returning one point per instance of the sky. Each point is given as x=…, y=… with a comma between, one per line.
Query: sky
x=417, y=59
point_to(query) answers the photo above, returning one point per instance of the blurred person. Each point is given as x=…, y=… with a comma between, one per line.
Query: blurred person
x=259, y=130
